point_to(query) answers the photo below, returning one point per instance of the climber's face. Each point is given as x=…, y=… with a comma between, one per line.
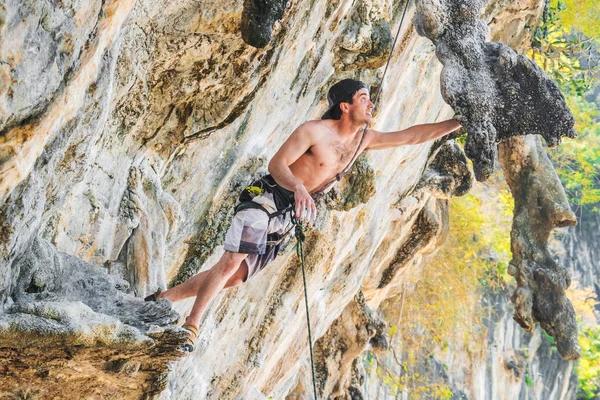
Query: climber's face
x=361, y=109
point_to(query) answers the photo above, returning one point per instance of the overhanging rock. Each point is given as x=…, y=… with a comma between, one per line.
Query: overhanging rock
x=497, y=93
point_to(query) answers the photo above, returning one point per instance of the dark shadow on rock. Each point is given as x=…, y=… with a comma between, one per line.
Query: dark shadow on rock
x=258, y=18
x=448, y=174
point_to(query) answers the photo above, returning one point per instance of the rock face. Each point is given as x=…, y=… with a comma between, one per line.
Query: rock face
x=580, y=254
x=357, y=329
x=127, y=130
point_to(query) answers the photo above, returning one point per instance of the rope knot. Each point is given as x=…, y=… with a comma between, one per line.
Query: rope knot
x=299, y=233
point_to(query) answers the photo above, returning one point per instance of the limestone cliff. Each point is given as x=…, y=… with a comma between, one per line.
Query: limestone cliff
x=127, y=128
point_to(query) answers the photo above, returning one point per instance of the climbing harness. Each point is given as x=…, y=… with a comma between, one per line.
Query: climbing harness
x=299, y=231
x=283, y=198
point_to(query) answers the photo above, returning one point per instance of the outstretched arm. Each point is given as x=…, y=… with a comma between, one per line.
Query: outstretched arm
x=296, y=145
x=414, y=135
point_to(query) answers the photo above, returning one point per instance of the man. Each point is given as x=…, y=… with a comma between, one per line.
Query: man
x=305, y=165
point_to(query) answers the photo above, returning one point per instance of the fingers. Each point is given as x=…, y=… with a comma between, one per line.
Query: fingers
x=305, y=205
x=300, y=199
x=299, y=208
x=306, y=208
x=310, y=210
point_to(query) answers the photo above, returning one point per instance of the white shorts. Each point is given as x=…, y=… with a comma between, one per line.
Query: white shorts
x=251, y=232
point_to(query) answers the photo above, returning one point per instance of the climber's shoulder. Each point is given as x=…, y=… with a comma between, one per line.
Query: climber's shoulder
x=313, y=130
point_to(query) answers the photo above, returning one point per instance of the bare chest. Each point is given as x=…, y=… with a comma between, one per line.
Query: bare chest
x=334, y=153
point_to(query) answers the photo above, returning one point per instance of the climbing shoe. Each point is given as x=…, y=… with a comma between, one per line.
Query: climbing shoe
x=190, y=342
x=153, y=296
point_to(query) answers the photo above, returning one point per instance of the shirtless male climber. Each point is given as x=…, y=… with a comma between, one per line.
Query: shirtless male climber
x=305, y=166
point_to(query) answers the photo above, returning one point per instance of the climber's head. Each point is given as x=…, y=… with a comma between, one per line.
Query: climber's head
x=349, y=97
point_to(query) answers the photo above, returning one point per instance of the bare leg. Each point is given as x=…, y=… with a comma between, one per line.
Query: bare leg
x=207, y=284
x=186, y=289
x=238, y=277
x=190, y=287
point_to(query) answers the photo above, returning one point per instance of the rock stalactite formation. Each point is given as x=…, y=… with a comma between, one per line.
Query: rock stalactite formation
x=540, y=207
x=500, y=95
x=497, y=93
x=153, y=215
x=258, y=18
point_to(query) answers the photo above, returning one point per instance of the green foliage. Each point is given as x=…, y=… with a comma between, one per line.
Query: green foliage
x=588, y=367
x=569, y=35
x=443, y=311
x=528, y=381
x=581, y=15
x=578, y=161
x=560, y=48
x=419, y=386
x=548, y=338
x=584, y=302
x=445, y=300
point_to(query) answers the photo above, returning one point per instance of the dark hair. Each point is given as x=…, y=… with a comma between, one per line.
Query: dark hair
x=335, y=112
x=341, y=92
